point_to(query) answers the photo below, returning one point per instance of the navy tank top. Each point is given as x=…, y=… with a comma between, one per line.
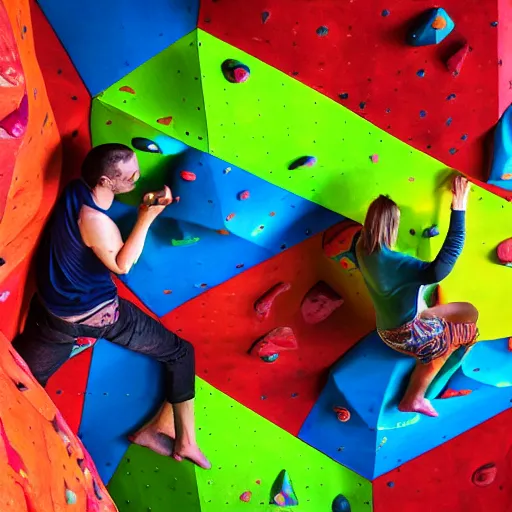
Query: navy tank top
x=71, y=279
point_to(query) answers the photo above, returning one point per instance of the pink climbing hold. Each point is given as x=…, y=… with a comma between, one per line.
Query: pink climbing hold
x=342, y=413
x=244, y=195
x=275, y=342
x=187, y=176
x=455, y=62
x=319, y=303
x=374, y=159
x=504, y=252
x=485, y=475
x=230, y=217
x=246, y=496
x=15, y=123
x=264, y=303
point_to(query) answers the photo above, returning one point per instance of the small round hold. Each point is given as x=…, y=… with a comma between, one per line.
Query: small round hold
x=342, y=413
x=431, y=232
x=235, y=72
x=269, y=359
x=244, y=195
x=484, y=475
x=439, y=23
x=322, y=31
x=374, y=159
x=70, y=497
x=385, y=13
x=340, y=504
x=230, y=217
x=188, y=176
x=420, y=73
x=147, y=145
x=412, y=232
x=246, y=496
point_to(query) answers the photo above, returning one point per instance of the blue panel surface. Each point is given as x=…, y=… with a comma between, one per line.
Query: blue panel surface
x=124, y=389
x=108, y=39
x=269, y=221
x=501, y=169
x=370, y=380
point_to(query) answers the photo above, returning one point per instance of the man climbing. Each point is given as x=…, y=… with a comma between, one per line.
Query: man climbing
x=76, y=297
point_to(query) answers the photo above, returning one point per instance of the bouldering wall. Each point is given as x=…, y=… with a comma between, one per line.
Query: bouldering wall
x=256, y=246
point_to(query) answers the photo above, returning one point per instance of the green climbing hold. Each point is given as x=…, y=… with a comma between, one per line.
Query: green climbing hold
x=70, y=497
x=186, y=241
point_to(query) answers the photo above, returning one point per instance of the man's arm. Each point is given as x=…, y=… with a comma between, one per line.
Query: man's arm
x=102, y=235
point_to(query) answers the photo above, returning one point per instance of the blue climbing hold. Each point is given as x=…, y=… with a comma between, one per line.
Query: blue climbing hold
x=269, y=359
x=70, y=497
x=146, y=145
x=431, y=232
x=420, y=73
x=423, y=113
x=322, y=31
x=431, y=28
x=341, y=504
x=501, y=168
x=385, y=13
x=303, y=161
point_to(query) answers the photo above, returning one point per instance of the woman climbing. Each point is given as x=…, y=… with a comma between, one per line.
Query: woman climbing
x=394, y=281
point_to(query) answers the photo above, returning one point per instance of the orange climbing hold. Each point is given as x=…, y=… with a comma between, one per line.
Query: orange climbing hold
x=450, y=393
x=223, y=232
x=439, y=23
x=166, y=121
x=126, y=88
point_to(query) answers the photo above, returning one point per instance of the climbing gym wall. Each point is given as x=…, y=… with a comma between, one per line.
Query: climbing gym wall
x=275, y=124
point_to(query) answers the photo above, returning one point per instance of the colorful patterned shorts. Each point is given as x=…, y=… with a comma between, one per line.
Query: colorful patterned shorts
x=427, y=339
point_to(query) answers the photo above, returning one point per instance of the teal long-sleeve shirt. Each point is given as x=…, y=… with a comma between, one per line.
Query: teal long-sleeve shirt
x=394, y=279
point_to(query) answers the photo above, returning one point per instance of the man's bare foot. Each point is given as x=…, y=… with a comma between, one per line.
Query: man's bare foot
x=152, y=438
x=192, y=453
x=421, y=405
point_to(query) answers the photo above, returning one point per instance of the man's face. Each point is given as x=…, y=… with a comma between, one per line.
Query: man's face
x=129, y=174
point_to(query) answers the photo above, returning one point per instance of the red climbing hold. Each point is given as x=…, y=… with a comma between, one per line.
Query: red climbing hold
x=166, y=121
x=126, y=88
x=510, y=344
x=264, y=303
x=187, y=176
x=275, y=342
x=485, y=475
x=246, y=496
x=450, y=393
x=504, y=252
x=343, y=413
x=455, y=62
x=319, y=303
x=244, y=195
x=230, y=217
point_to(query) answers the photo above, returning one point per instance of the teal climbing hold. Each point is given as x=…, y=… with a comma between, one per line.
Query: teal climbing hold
x=282, y=493
x=431, y=28
x=70, y=497
x=184, y=242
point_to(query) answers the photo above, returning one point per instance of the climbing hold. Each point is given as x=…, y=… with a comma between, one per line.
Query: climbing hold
x=451, y=97
x=2, y=262
x=420, y=73
x=431, y=232
x=341, y=504
x=227, y=170
x=342, y=413
x=143, y=144
x=21, y=386
x=504, y=252
x=15, y=123
x=423, y=113
x=265, y=15
x=282, y=493
x=494, y=23
x=510, y=344
x=70, y=497
x=246, y=496
x=263, y=305
x=4, y=296
x=185, y=241
x=167, y=292
x=188, y=176
x=322, y=31
x=166, y=121
x=374, y=159
x=224, y=232
x=450, y=393
x=431, y=28
x=501, y=169
x=484, y=475
x=269, y=359
x=230, y=217
x=412, y=232
x=385, y=13
x=126, y=88
x=319, y=303
x=455, y=62
x=339, y=243
x=303, y=161
x=244, y=195
x=343, y=96
x=161, y=197
x=235, y=72
x=276, y=341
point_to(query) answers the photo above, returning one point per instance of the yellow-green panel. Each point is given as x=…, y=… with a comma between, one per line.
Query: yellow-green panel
x=269, y=121
x=168, y=85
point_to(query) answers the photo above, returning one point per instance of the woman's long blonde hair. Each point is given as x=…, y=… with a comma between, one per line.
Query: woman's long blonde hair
x=380, y=227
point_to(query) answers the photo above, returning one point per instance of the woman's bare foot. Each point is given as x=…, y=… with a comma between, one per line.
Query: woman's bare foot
x=192, y=453
x=421, y=405
x=152, y=438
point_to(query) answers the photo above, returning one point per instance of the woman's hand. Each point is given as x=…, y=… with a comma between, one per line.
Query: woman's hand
x=460, y=190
